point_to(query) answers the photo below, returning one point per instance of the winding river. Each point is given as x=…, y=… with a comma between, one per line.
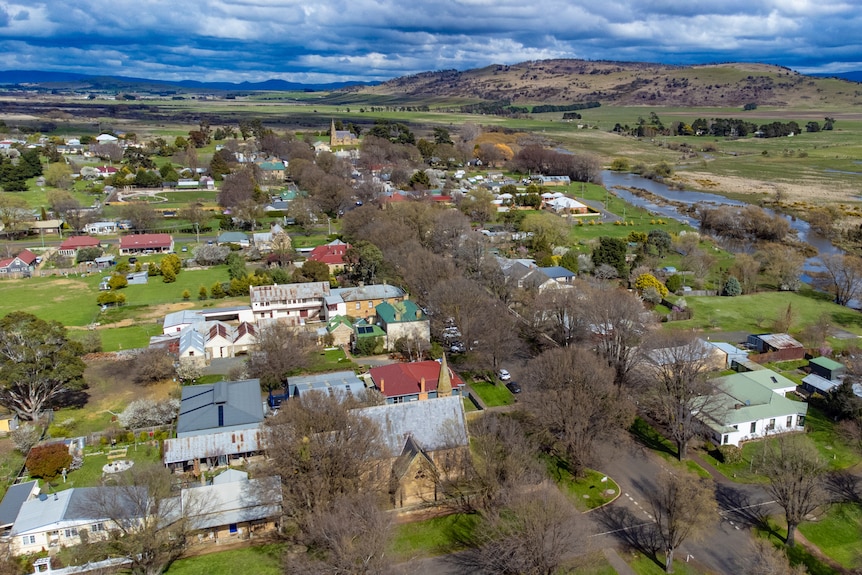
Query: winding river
x=616, y=182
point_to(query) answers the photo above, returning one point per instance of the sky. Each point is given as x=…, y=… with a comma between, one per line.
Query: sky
x=320, y=41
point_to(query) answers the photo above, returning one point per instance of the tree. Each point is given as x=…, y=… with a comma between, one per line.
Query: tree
x=202, y=293
x=683, y=506
x=152, y=364
x=171, y=261
x=783, y=264
x=766, y=559
x=532, y=535
x=647, y=280
x=547, y=230
x=14, y=214
x=362, y=261
x=570, y=261
x=38, y=363
x=141, y=216
x=312, y=271
x=149, y=412
x=660, y=240
x=478, y=205
x=795, y=470
x=322, y=451
x=236, y=266
x=575, y=403
x=59, y=175
x=47, y=461
x=196, y=216
x=25, y=436
x=747, y=270
x=281, y=349
x=211, y=254
x=148, y=522
x=351, y=535
x=611, y=251
x=731, y=287
x=843, y=277
x=678, y=392
x=117, y=281
x=612, y=321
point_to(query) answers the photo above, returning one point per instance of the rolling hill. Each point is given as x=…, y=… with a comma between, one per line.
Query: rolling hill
x=623, y=84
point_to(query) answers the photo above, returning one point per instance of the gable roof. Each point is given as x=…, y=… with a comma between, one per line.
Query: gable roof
x=57, y=510
x=744, y=398
x=146, y=241
x=309, y=290
x=402, y=311
x=826, y=363
x=433, y=425
x=76, y=242
x=374, y=291
x=219, y=407
x=235, y=499
x=399, y=379
x=330, y=254
x=335, y=382
x=558, y=272
x=15, y=497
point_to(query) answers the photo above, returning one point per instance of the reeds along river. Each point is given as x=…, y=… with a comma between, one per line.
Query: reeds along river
x=618, y=182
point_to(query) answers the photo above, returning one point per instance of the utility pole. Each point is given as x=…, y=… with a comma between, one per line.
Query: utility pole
x=197, y=233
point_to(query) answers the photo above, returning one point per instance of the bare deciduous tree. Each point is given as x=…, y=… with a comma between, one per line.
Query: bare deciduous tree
x=613, y=321
x=573, y=400
x=281, y=349
x=322, y=451
x=766, y=559
x=146, y=519
x=795, y=470
x=350, y=535
x=530, y=537
x=503, y=462
x=677, y=391
x=683, y=506
x=843, y=277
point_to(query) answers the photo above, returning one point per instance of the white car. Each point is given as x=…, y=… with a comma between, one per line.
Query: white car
x=504, y=375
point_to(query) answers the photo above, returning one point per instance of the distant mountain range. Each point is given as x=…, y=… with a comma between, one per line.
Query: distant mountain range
x=854, y=76
x=65, y=80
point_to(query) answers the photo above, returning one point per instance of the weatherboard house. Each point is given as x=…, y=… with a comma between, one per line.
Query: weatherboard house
x=146, y=244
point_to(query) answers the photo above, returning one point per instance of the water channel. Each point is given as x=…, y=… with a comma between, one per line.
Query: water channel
x=617, y=183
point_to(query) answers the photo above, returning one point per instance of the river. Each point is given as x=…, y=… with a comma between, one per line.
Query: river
x=616, y=182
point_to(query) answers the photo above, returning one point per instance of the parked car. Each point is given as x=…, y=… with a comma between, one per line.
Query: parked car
x=457, y=347
x=185, y=249
x=514, y=386
x=133, y=260
x=504, y=375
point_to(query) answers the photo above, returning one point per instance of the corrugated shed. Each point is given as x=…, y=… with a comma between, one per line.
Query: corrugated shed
x=182, y=449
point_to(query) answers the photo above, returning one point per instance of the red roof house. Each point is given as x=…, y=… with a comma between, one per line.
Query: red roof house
x=332, y=254
x=70, y=246
x=23, y=263
x=416, y=381
x=146, y=244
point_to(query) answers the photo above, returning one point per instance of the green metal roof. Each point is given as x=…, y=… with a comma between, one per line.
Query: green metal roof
x=399, y=312
x=744, y=399
x=764, y=377
x=827, y=363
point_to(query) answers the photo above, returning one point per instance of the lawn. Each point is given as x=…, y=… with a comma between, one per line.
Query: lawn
x=330, y=359
x=644, y=565
x=492, y=395
x=797, y=555
x=755, y=313
x=587, y=492
x=436, y=536
x=837, y=533
x=260, y=560
x=90, y=474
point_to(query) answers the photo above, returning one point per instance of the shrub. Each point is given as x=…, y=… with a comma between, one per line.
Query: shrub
x=25, y=437
x=730, y=454
x=187, y=295
x=645, y=281
x=117, y=281
x=47, y=461
x=674, y=283
x=151, y=365
x=202, y=293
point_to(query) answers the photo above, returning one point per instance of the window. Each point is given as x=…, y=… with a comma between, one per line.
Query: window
x=232, y=528
x=771, y=425
x=753, y=427
x=98, y=527
x=28, y=539
x=358, y=305
x=789, y=422
x=725, y=439
x=73, y=532
x=800, y=420
x=370, y=304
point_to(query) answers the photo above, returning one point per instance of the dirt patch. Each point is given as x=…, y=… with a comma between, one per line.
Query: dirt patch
x=111, y=386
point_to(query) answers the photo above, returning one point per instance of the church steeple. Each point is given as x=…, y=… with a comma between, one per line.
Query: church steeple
x=332, y=132
x=444, y=380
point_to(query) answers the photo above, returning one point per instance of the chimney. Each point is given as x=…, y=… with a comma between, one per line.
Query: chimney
x=382, y=381
x=422, y=385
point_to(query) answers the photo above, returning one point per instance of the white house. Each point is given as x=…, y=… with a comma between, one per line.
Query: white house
x=752, y=405
x=101, y=228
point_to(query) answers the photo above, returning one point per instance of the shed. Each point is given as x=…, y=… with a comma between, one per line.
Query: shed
x=827, y=368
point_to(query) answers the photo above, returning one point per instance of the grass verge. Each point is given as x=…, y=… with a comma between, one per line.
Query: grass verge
x=492, y=395
x=260, y=560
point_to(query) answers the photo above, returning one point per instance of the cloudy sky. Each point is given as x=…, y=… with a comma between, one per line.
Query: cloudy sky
x=335, y=40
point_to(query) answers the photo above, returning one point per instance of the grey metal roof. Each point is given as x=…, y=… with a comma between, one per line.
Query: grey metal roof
x=820, y=383
x=191, y=339
x=309, y=290
x=232, y=442
x=434, y=423
x=182, y=317
x=376, y=291
x=12, y=501
x=233, y=502
x=58, y=510
x=220, y=406
x=339, y=381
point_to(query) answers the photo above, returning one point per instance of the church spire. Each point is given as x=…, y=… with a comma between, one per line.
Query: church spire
x=332, y=131
x=444, y=381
